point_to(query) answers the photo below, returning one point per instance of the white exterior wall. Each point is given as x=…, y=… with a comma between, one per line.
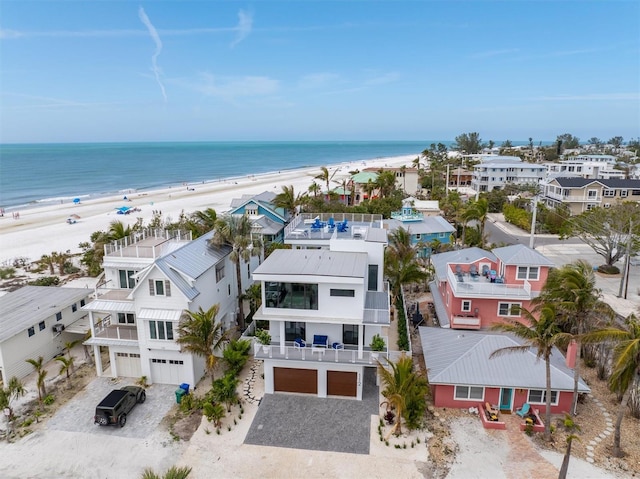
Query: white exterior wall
x=375, y=254
x=15, y=350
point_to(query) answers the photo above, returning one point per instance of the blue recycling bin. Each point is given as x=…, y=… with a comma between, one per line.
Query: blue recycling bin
x=185, y=387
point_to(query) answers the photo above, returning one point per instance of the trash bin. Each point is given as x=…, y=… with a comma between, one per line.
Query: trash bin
x=185, y=386
x=179, y=393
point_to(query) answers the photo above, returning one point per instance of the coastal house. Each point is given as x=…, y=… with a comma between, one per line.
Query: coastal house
x=324, y=301
x=475, y=289
x=363, y=186
x=267, y=220
x=462, y=375
x=584, y=169
x=149, y=280
x=582, y=194
x=38, y=321
x=495, y=172
x=426, y=231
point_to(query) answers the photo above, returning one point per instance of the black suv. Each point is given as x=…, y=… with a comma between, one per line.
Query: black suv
x=114, y=408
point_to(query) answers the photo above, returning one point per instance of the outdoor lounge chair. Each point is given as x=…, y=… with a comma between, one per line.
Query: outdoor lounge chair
x=524, y=410
x=320, y=341
x=473, y=270
x=299, y=343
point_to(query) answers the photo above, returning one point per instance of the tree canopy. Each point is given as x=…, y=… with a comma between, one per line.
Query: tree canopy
x=469, y=143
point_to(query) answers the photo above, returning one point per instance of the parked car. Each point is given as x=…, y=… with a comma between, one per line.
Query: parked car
x=113, y=409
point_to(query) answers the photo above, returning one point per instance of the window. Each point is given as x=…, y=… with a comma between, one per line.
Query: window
x=373, y=278
x=291, y=295
x=31, y=331
x=609, y=193
x=126, y=318
x=251, y=210
x=592, y=194
x=538, y=396
x=41, y=325
x=58, y=316
x=350, y=334
x=466, y=306
x=82, y=303
x=442, y=235
x=528, y=272
x=509, y=309
x=175, y=361
x=349, y=293
x=293, y=330
x=126, y=279
x=219, y=272
x=159, y=361
x=158, y=287
x=624, y=193
x=74, y=307
x=635, y=192
x=469, y=392
x=229, y=289
x=161, y=330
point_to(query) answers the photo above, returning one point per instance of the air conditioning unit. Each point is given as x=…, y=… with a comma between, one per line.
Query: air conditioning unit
x=58, y=328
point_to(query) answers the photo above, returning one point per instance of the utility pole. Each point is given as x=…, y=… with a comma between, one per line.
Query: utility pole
x=533, y=222
x=624, y=282
x=446, y=186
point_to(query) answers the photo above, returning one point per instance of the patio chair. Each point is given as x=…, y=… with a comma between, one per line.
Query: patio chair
x=332, y=223
x=337, y=346
x=299, y=343
x=320, y=341
x=524, y=410
x=473, y=270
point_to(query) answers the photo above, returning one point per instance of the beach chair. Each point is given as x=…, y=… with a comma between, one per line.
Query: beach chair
x=524, y=410
x=331, y=224
x=473, y=270
x=299, y=343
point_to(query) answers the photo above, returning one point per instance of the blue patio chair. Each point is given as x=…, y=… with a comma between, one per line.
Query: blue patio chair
x=331, y=223
x=299, y=343
x=341, y=227
x=320, y=341
x=473, y=270
x=524, y=410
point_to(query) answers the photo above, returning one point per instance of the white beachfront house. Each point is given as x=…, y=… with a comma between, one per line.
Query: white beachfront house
x=149, y=280
x=38, y=321
x=324, y=301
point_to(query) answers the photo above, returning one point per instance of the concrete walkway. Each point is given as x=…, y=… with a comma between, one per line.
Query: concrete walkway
x=607, y=431
x=523, y=459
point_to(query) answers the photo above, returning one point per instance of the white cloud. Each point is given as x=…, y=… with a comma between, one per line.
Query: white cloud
x=382, y=79
x=154, y=58
x=319, y=80
x=244, y=27
x=230, y=88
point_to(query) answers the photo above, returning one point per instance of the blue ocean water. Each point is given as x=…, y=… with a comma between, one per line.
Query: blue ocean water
x=46, y=173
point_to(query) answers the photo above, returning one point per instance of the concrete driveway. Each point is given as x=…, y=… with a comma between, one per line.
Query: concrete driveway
x=77, y=414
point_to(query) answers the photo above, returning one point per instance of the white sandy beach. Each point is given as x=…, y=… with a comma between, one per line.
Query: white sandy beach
x=42, y=230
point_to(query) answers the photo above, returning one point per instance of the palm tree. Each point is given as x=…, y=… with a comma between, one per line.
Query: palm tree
x=401, y=386
x=203, y=221
x=315, y=189
x=343, y=184
x=573, y=289
x=254, y=295
x=369, y=188
x=542, y=336
x=326, y=177
x=224, y=390
x=386, y=183
x=403, y=170
x=626, y=365
x=287, y=199
x=13, y=390
x=173, y=472
x=66, y=367
x=235, y=231
x=117, y=230
x=200, y=334
x=38, y=365
x=60, y=260
x=214, y=412
x=48, y=261
x=400, y=266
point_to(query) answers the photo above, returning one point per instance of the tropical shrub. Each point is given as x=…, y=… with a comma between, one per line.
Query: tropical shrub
x=46, y=281
x=236, y=354
x=608, y=269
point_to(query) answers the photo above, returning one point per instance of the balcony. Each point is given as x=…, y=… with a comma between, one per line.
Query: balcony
x=349, y=355
x=148, y=243
x=299, y=228
x=105, y=330
x=480, y=287
x=462, y=321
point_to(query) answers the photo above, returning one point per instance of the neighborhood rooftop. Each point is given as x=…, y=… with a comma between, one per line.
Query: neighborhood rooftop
x=314, y=263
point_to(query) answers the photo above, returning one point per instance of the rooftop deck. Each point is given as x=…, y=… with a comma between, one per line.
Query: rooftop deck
x=300, y=228
x=148, y=243
x=480, y=287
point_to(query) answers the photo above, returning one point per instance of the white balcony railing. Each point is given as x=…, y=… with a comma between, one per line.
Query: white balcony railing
x=311, y=354
x=481, y=287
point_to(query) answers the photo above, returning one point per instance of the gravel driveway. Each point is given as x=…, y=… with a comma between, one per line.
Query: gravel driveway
x=77, y=414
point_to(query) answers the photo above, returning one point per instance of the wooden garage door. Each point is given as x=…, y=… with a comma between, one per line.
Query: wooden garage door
x=295, y=380
x=342, y=383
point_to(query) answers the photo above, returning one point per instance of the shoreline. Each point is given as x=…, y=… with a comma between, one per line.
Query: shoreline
x=42, y=229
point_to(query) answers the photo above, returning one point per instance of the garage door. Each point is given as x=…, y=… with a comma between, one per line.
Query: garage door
x=128, y=365
x=293, y=380
x=167, y=371
x=342, y=383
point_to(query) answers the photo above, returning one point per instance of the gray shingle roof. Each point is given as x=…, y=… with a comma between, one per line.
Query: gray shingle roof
x=461, y=256
x=314, y=263
x=29, y=305
x=519, y=254
x=462, y=357
x=610, y=183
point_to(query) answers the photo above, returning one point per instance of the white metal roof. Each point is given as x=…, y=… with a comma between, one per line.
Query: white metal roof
x=108, y=305
x=308, y=262
x=160, y=314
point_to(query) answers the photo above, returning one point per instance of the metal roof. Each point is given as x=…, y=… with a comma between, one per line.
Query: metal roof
x=160, y=314
x=462, y=357
x=520, y=254
x=29, y=305
x=610, y=183
x=438, y=304
x=376, y=235
x=307, y=262
x=110, y=305
x=364, y=177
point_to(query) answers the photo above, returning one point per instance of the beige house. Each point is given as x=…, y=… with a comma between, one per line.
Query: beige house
x=582, y=194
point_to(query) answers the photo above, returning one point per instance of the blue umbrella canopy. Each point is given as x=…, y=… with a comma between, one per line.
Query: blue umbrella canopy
x=76, y=200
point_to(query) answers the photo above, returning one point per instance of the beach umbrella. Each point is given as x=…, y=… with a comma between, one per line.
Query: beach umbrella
x=76, y=200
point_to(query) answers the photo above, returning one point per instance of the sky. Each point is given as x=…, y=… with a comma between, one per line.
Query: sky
x=226, y=70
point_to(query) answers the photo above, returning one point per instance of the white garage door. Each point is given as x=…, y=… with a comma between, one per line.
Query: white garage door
x=128, y=365
x=167, y=371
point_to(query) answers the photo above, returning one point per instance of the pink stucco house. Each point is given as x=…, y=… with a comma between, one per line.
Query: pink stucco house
x=474, y=288
x=461, y=373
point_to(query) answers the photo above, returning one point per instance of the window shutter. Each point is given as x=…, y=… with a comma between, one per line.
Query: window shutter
x=152, y=290
x=167, y=288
